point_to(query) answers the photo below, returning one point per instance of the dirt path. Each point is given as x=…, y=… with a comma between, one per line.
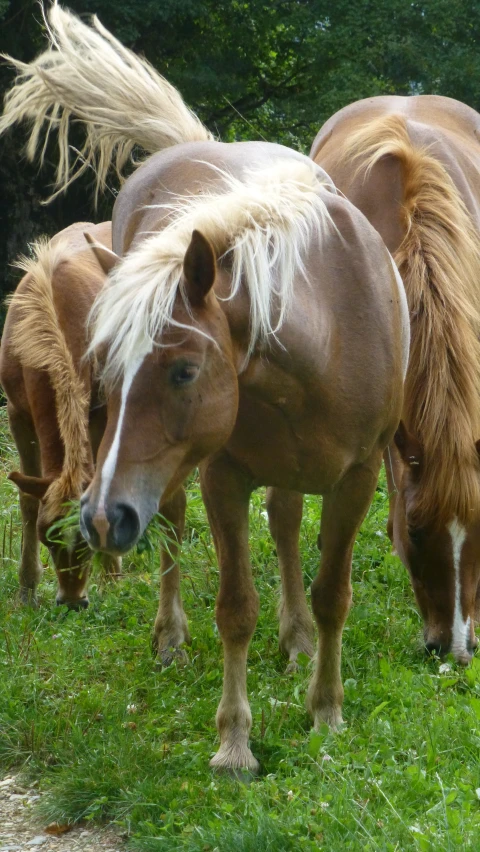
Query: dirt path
x=20, y=831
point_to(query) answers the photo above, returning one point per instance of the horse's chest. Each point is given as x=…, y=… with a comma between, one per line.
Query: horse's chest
x=282, y=445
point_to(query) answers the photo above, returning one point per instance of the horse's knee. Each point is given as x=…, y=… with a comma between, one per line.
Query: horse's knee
x=237, y=615
x=330, y=602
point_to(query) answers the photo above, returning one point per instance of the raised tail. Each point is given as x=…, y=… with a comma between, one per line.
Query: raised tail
x=439, y=260
x=87, y=74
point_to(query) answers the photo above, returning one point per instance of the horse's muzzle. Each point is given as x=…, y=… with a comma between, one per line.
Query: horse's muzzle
x=114, y=530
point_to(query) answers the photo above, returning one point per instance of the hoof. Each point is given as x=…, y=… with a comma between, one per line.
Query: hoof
x=76, y=606
x=295, y=642
x=331, y=716
x=464, y=659
x=167, y=656
x=28, y=597
x=292, y=667
x=236, y=761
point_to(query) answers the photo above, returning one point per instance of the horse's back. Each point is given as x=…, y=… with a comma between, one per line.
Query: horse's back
x=55, y=294
x=182, y=171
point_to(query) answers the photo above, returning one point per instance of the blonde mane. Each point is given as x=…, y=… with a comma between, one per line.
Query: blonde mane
x=39, y=343
x=439, y=261
x=263, y=221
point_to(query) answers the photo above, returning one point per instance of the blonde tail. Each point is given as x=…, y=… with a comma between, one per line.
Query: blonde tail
x=87, y=74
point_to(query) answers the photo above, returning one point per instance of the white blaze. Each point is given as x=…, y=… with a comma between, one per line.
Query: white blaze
x=460, y=628
x=110, y=463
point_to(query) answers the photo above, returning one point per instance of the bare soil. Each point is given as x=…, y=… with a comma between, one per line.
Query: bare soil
x=22, y=831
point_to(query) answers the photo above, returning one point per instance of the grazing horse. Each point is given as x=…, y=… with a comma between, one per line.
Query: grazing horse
x=253, y=323
x=52, y=405
x=57, y=420
x=412, y=166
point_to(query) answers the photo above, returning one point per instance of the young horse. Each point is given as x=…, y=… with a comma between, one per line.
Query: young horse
x=412, y=166
x=253, y=324
x=49, y=396
x=57, y=420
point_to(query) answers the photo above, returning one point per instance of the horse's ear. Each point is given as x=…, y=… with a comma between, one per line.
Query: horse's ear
x=199, y=269
x=36, y=486
x=408, y=446
x=107, y=259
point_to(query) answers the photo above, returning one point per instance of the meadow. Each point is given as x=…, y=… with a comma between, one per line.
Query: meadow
x=112, y=738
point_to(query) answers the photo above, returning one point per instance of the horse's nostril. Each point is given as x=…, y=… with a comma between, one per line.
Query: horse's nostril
x=87, y=529
x=125, y=526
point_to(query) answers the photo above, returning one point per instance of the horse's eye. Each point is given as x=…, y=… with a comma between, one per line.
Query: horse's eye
x=415, y=534
x=183, y=374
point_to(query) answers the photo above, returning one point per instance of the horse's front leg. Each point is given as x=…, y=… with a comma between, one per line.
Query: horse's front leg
x=296, y=631
x=170, y=631
x=343, y=511
x=226, y=493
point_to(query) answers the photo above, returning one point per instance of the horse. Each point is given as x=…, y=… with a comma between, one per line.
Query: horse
x=253, y=323
x=52, y=406
x=412, y=166
x=57, y=418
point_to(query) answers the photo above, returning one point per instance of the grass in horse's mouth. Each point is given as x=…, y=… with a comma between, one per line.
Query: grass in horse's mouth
x=65, y=531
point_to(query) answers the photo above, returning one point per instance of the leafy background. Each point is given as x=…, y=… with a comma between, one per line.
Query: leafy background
x=273, y=69
x=405, y=774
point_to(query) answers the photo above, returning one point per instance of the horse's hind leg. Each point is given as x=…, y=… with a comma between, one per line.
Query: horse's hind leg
x=296, y=631
x=343, y=512
x=393, y=473
x=30, y=570
x=170, y=631
x=226, y=493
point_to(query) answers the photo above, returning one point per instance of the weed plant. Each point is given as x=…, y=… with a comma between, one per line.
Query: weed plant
x=85, y=710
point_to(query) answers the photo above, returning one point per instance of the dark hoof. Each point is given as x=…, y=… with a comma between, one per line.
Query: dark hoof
x=167, y=656
x=76, y=606
x=28, y=598
x=243, y=776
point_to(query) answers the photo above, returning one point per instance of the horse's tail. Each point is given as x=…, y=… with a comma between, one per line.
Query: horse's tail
x=439, y=260
x=88, y=75
x=40, y=344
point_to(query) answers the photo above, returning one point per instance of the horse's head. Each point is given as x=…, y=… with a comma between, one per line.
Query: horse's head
x=175, y=404
x=65, y=543
x=441, y=553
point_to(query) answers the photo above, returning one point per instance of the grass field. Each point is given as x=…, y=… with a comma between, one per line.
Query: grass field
x=112, y=738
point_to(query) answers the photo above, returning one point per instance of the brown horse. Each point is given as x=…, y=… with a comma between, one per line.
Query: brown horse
x=57, y=420
x=412, y=166
x=53, y=412
x=253, y=323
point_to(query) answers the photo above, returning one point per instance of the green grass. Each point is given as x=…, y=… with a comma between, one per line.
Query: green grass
x=402, y=775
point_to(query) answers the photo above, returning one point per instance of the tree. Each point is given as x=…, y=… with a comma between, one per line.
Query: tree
x=274, y=69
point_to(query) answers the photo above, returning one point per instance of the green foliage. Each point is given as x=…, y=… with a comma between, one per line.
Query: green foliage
x=252, y=69
x=85, y=710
